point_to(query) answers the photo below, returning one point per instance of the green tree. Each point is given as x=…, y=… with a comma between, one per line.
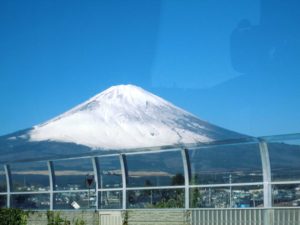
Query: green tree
x=178, y=179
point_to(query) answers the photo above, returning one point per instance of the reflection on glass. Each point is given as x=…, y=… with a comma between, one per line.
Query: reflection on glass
x=30, y=201
x=171, y=198
x=155, y=169
x=73, y=174
x=226, y=197
x=226, y=164
x=2, y=180
x=284, y=160
x=286, y=195
x=110, y=175
x=33, y=176
x=75, y=200
x=2, y=201
x=110, y=199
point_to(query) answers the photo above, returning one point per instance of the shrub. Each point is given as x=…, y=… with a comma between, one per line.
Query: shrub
x=13, y=217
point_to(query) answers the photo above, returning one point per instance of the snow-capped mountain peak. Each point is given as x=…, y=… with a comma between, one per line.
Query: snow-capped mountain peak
x=127, y=116
x=123, y=94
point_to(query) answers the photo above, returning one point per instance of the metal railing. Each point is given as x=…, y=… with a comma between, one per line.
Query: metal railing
x=186, y=187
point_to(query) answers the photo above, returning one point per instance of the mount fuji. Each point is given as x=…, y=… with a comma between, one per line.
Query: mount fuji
x=121, y=117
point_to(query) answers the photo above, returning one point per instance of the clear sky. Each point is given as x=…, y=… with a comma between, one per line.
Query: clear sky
x=233, y=63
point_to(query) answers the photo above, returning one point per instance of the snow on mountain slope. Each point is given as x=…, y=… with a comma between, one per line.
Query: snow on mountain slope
x=126, y=116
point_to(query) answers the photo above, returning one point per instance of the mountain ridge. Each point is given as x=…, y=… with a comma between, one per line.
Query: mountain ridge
x=126, y=116
x=120, y=118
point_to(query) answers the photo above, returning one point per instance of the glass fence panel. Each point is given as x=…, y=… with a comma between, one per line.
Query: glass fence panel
x=74, y=174
x=110, y=199
x=30, y=201
x=3, y=187
x=110, y=175
x=286, y=195
x=33, y=176
x=75, y=200
x=226, y=164
x=226, y=197
x=163, y=198
x=155, y=169
x=2, y=201
x=284, y=160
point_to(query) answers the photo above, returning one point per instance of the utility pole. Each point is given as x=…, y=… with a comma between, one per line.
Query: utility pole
x=230, y=193
x=89, y=182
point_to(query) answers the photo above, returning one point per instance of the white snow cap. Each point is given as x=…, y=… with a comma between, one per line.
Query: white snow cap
x=125, y=116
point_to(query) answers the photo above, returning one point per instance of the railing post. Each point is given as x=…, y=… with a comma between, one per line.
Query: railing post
x=187, y=175
x=8, y=184
x=51, y=182
x=264, y=153
x=96, y=179
x=124, y=179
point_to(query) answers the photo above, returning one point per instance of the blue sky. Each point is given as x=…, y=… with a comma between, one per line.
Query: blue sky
x=232, y=63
